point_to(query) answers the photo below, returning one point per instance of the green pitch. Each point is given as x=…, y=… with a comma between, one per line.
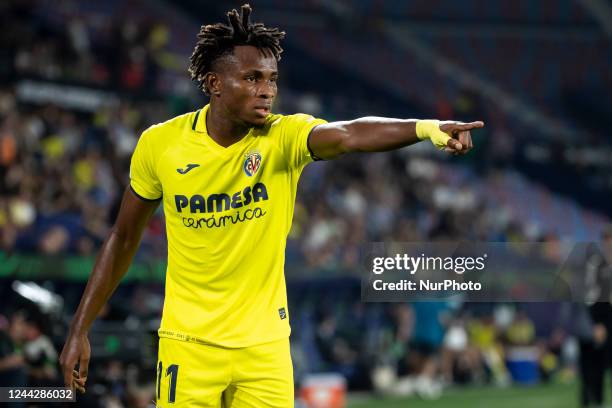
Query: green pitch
x=540, y=396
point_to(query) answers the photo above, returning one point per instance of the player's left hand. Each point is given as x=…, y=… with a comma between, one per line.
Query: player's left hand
x=78, y=382
x=461, y=140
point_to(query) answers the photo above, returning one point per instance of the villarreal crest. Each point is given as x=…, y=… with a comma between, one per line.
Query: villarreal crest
x=252, y=163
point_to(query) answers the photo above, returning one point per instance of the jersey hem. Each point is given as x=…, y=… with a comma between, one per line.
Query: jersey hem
x=176, y=335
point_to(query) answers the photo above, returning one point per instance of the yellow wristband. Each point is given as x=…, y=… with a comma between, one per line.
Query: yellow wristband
x=430, y=129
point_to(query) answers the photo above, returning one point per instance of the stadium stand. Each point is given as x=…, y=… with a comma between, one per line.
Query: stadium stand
x=79, y=81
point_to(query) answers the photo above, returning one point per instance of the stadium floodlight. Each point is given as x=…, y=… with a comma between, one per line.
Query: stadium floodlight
x=47, y=301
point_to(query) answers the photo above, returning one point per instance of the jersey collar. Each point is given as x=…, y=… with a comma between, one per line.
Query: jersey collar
x=199, y=126
x=199, y=121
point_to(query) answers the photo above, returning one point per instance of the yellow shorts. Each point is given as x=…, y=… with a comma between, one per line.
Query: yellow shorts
x=199, y=375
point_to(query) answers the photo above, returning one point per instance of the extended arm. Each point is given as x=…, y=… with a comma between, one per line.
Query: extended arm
x=375, y=134
x=111, y=265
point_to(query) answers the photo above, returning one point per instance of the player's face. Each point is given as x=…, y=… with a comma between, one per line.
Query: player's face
x=248, y=84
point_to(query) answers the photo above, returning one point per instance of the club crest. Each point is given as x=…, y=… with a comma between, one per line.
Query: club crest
x=252, y=163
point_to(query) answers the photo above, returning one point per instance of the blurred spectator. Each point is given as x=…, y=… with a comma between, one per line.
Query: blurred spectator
x=521, y=331
x=141, y=388
x=337, y=348
x=460, y=361
x=484, y=336
x=13, y=370
x=39, y=352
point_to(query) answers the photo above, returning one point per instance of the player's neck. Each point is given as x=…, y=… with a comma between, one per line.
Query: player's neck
x=222, y=129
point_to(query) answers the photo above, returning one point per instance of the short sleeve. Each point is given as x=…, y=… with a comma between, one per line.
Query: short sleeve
x=143, y=174
x=295, y=130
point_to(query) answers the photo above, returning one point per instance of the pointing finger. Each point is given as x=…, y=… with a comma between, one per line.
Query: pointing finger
x=471, y=125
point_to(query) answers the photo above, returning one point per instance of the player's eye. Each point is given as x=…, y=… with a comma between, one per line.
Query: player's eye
x=251, y=78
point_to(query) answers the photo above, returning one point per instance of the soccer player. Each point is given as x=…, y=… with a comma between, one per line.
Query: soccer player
x=227, y=176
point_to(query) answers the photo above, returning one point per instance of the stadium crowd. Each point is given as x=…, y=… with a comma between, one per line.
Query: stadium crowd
x=63, y=170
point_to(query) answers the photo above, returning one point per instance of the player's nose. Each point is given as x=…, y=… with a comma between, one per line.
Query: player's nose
x=267, y=91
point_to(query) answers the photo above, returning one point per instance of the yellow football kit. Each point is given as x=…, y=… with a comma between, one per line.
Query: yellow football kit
x=228, y=211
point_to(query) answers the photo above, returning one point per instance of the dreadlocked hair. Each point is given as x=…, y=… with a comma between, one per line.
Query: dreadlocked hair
x=220, y=39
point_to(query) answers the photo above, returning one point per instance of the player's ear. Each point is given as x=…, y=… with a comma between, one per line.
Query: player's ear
x=213, y=83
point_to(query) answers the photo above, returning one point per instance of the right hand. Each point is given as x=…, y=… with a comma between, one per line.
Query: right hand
x=460, y=141
x=76, y=350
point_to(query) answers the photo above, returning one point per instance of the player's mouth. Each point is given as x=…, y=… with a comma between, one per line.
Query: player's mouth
x=262, y=110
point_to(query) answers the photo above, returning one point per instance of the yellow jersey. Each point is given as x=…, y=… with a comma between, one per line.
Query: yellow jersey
x=228, y=212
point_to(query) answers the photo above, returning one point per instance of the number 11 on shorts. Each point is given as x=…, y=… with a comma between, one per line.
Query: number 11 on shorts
x=171, y=371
